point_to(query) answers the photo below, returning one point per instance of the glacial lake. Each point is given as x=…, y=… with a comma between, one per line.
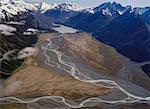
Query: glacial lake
x=64, y=29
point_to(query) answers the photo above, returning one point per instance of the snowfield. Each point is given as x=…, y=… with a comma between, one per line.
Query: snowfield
x=12, y=8
x=68, y=6
x=43, y=7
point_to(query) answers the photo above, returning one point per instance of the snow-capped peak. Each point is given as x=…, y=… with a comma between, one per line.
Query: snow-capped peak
x=68, y=6
x=114, y=8
x=88, y=10
x=110, y=9
x=43, y=7
x=12, y=7
x=5, y=1
x=141, y=11
x=106, y=12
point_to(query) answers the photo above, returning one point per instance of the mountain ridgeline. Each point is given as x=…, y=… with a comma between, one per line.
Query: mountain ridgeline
x=125, y=28
x=44, y=63
x=128, y=31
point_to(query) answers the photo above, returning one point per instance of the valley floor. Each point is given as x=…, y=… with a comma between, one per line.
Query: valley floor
x=45, y=78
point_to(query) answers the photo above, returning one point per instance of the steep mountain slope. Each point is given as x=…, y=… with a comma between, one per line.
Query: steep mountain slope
x=146, y=69
x=14, y=7
x=62, y=12
x=97, y=18
x=17, y=31
x=146, y=16
x=89, y=22
x=129, y=35
x=74, y=70
x=125, y=28
x=110, y=9
x=43, y=7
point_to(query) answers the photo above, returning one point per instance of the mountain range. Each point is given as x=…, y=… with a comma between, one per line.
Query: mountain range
x=125, y=28
x=106, y=56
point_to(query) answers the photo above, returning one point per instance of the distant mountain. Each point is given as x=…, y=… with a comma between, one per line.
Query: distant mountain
x=125, y=28
x=43, y=7
x=63, y=12
x=114, y=8
x=68, y=6
x=141, y=11
x=109, y=9
x=13, y=7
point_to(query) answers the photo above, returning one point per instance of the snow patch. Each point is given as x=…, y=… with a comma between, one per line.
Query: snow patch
x=43, y=7
x=68, y=6
x=12, y=7
x=88, y=10
x=141, y=11
x=106, y=12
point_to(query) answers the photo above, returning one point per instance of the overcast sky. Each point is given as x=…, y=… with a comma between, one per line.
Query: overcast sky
x=92, y=3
